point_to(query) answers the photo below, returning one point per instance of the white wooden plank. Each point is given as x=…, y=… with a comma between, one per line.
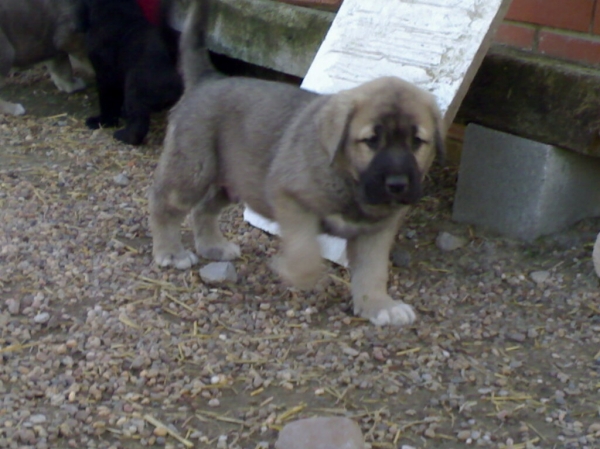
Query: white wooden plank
x=435, y=44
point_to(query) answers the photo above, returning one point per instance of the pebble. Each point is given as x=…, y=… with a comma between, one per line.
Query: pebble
x=41, y=318
x=222, y=442
x=13, y=305
x=539, y=277
x=596, y=256
x=448, y=242
x=463, y=435
x=37, y=419
x=160, y=431
x=519, y=337
x=121, y=179
x=401, y=258
x=217, y=272
x=321, y=433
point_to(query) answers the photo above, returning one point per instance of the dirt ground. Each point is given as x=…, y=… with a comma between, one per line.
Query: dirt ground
x=101, y=349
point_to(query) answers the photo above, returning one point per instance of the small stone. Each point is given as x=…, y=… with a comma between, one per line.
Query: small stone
x=13, y=305
x=222, y=442
x=321, y=433
x=216, y=272
x=448, y=242
x=539, y=277
x=594, y=429
x=401, y=258
x=350, y=351
x=160, y=431
x=121, y=179
x=214, y=402
x=37, y=419
x=429, y=432
x=516, y=336
x=596, y=256
x=41, y=318
x=463, y=435
x=411, y=234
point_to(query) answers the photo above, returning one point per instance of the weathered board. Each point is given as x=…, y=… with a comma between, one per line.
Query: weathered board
x=435, y=44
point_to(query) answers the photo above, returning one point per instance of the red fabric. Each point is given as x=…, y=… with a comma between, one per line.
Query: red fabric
x=151, y=9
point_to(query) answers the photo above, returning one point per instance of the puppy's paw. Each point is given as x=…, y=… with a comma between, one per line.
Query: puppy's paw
x=383, y=311
x=69, y=85
x=100, y=122
x=182, y=260
x=11, y=108
x=77, y=85
x=125, y=136
x=302, y=277
x=221, y=251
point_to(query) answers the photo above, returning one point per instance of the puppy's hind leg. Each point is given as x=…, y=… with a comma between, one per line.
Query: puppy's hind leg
x=183, y=177
x=210, y=242
x=166, y=215
x=61, y=73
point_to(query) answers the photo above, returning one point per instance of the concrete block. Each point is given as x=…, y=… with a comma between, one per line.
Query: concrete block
x=522, y=188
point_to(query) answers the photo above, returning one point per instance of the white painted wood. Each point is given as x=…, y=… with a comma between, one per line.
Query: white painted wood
x=435, y=44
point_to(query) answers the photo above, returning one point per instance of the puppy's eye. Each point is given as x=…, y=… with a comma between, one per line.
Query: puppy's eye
x=372, y=142
x=418, y=143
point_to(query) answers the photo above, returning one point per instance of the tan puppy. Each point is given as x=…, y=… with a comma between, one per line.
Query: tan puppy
x=348, y=164
x=33, y=31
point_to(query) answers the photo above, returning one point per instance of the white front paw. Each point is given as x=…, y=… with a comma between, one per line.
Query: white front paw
x=182, y=260
x=399, y=314
x=382, y=310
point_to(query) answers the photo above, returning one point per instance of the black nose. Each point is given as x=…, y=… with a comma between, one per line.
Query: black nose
x=396, y=184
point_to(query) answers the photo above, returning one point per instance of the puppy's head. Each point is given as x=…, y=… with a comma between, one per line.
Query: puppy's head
x=385, y=133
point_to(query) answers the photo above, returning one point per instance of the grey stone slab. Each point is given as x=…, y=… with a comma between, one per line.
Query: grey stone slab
x=523, y=188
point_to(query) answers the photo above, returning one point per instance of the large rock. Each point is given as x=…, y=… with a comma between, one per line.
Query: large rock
x=321, y=433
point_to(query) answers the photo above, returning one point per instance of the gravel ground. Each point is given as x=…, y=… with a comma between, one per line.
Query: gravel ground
x=101, y=349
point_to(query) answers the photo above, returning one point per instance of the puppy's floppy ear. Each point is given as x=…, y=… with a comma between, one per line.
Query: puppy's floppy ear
x=333, y=122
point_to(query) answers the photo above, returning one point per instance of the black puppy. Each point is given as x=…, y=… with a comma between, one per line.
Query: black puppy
x=135, y=74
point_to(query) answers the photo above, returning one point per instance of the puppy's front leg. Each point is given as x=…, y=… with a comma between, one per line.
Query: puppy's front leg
x=368, y=255
x=300, y=260
x=110, y=98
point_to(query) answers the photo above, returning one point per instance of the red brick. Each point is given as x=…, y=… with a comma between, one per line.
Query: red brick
x=574, y=48
x=520, y=36
x=597, y=18
x=573, y=15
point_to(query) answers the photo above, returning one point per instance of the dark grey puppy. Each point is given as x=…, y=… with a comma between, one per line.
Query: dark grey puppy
x=33, y=31
x=349, y=164
x=135, y=73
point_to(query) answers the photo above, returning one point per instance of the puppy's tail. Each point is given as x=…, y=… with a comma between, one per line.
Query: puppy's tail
x=195, y=60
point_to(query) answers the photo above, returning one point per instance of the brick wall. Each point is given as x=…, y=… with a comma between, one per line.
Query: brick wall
x=564, y=29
